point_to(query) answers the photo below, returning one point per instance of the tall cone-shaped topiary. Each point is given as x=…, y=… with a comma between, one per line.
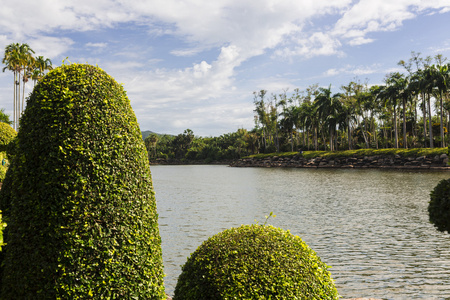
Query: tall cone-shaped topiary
x=78, y=200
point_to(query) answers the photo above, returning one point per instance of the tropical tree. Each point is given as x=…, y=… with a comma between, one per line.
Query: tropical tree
x=41, y=65
x=439, y=75
x=150, y=143
x=4, y=118
x=287, y=123
x=18, y=58
x=329, y=109
x=390, y=93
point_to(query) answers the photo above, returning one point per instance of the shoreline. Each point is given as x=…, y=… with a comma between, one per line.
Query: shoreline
x=394, y=162
x=436, y=162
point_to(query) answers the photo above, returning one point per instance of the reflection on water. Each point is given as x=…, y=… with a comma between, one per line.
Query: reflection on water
x=371, y=226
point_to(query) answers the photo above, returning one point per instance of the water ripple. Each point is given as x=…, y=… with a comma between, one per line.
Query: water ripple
x=371, y=226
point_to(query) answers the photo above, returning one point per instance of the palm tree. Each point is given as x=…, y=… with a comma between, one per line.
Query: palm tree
x=11, y=60
x=18, y=58
x=41, y=65
x=329, y=109
x=390, y=94
x=289, y=115
x=439, y=74
x=349, y=108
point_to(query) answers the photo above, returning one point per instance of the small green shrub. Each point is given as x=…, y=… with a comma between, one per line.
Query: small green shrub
x=78, y=196
x=254, y=262
x=439, y=206
x=2, y=226
x=7, y=134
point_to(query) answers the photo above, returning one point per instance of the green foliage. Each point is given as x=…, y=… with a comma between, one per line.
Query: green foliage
x=187, y=146
x=2, y=226
x=254, y=262
x=7, y=134
x=78, y=196
x=415, y=152
x=439, y=206
x=4, y=118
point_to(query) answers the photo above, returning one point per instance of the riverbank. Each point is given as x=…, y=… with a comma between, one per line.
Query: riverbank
x=431, y=162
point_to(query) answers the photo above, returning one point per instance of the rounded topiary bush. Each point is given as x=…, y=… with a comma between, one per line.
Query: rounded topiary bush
x=439, y=206
x=254, y=262
x=78, y=197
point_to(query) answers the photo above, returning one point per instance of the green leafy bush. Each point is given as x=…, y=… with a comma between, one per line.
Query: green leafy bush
x=439, y=206
x=78, y=197
x=2, y=226
x=7, y=134
x=254, y=262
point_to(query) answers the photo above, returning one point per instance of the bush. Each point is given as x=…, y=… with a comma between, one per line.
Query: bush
x=439, y=206
x=7, y=134
x=2, y=226
x=78, y=197
x=254, y=262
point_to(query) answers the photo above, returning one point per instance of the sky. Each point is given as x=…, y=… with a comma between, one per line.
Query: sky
x=194, y=64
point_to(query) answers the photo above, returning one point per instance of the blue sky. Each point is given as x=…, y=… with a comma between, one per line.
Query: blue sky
x=195, y=64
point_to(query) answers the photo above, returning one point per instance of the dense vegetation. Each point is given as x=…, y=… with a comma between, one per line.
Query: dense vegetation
x=361, y=116
x=7, y=134
x=78, y=197
x=186, y=146
x=410, y=110
x=254, y=262
x=439, y=206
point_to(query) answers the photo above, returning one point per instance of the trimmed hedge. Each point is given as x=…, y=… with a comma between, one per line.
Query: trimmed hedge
x=439, y=206
x=78, y=197
x=254, y=262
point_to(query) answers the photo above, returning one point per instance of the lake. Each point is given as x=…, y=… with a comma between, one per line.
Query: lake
x=370, y=225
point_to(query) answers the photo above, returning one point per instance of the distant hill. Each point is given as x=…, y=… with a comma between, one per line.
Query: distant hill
x=146, y=133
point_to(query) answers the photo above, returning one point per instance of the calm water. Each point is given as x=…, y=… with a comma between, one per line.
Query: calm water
x=371, y=226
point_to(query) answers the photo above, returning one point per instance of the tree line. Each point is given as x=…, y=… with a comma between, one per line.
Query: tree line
x=186, y=146
x=20, y=59
x=409, y=110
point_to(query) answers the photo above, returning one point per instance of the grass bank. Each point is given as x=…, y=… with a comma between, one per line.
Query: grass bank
x=415, y=152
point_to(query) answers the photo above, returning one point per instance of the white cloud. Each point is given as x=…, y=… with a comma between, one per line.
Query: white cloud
x=50, y=46
x=96, y=45
x=239, y=30
x=353, y=70
x=368, y=16
x=318, y=44
x=186, y=52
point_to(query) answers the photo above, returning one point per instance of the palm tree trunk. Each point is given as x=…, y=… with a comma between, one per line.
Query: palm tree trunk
x=14, y=101
x=430, y=123
x=395, y=127
x=315, y=139
x=424, y=111
x=331, y=140
x=442, y=121
x=349, y=133
x=405, y=144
